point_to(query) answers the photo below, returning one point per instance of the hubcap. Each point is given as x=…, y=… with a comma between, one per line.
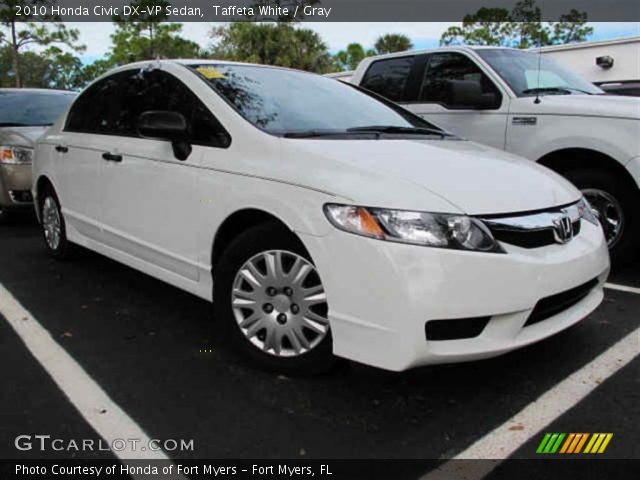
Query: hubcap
x=609, y=213
x=280, y=304
x=51, y=223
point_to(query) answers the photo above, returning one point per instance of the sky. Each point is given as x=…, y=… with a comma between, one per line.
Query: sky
x=337, y=35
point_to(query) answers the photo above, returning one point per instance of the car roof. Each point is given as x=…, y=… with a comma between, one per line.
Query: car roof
x=192, y=61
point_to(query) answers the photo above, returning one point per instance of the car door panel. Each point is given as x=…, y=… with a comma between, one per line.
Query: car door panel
x=77, y=175
x=147, y=197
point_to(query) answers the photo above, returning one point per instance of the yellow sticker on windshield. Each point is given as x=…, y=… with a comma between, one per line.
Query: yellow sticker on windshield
x=210, y=73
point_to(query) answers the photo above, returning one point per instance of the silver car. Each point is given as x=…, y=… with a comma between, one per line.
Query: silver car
x=24, y=115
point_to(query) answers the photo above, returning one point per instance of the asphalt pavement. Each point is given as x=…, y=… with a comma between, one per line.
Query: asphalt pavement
x=150, y=347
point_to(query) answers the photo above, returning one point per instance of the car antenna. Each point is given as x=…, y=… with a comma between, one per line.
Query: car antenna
x=537, y=100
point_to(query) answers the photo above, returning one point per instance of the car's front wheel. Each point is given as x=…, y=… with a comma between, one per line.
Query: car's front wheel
x=53, y=226
x=271, y=303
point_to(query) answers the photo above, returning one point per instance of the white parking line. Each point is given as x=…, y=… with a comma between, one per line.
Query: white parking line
x=93, y=403
x=519, y=429
x=622, y=288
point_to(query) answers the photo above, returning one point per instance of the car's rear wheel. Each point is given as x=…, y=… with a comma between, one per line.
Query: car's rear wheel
x=270, y=302
x=616, y=205
x=53, y=226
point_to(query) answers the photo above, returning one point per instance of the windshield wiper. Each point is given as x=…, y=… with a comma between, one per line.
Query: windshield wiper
x=371, y=130
x=401, y=130
x=314, y=133
x=558, y=90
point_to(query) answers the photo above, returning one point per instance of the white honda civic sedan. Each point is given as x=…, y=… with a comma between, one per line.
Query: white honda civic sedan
x=322, y=220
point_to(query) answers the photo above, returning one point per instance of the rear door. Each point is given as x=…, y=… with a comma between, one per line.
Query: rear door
x=77, y=169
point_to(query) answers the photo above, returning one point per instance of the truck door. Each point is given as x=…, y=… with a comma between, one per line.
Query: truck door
x=456, y=94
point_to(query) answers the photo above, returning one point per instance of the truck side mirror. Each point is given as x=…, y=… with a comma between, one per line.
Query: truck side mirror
x=468, y=94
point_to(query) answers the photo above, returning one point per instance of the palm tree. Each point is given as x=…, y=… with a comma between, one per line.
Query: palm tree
x=393, y=42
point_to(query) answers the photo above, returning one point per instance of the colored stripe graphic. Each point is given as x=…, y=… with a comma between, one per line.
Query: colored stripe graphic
x=582, y=441
x=543, y=443
x=550, y=443
x=573, y=443
x=567, y=442
x=605, y=443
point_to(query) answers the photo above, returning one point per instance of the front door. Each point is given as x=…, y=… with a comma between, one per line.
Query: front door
x=149, y=197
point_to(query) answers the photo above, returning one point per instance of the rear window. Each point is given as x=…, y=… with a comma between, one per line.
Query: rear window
x=389, y=77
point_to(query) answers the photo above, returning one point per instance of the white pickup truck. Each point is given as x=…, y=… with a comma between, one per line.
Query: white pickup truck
x=532, y=106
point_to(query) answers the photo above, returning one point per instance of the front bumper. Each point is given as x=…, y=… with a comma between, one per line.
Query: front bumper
x=15, y=185
x=381, y=295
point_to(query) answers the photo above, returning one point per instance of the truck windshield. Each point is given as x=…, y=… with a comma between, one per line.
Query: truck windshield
x=520, y=70
x=298, y=104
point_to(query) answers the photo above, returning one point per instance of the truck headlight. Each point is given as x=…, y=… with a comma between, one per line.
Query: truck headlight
x=16, y=155
x=438, y=230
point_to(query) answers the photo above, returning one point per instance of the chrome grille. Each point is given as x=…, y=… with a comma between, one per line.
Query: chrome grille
x=535, y=230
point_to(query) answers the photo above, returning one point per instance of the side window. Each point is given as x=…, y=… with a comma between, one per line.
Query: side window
x=389, y=77
x=96, y=109
x=157, y=90
x=441, y=73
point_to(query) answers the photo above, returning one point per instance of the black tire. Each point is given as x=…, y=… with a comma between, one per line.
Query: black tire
x=63, y=249
x=628, y=197
x=5, y=215
x=262, y=238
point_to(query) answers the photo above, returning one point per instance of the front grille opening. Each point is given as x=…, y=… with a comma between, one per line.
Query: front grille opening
x=455, y=329
x=555, y=304
x=529, y=239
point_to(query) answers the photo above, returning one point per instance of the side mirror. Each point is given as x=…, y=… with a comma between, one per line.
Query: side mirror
x=166, y=125
x=468, y=94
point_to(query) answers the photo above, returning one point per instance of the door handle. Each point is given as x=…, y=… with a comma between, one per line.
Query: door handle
x=62, y=149
x=112, y=157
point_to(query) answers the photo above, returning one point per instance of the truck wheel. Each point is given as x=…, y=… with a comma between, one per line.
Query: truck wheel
x=615, y=203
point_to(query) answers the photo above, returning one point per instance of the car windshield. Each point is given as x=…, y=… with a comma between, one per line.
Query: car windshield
x=529, y=73
x=286, y=102
x=25, y=109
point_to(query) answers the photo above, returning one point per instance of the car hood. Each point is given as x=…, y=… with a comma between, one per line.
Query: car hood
x=607, y=106
x=20, y=136
x=438, y=175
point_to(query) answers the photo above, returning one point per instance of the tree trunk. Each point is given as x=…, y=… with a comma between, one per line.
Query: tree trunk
x=14, y=55
x=151, y=49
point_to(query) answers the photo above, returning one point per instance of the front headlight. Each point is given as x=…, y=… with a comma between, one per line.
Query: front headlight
x=587, y=212
x=16, y=155
x=439, y=230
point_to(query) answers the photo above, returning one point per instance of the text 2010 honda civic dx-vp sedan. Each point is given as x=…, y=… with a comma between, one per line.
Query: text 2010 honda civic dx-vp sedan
x=321, y=220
